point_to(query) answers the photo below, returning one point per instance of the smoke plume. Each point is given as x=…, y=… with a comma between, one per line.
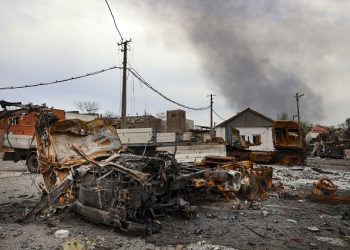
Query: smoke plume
x=258, y=53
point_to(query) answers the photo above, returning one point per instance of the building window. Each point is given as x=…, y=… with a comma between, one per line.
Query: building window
x=173, y=115
x=13, y=121
x=256, y=139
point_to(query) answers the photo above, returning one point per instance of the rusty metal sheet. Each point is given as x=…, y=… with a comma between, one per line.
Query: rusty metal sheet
x=94, y=138
x=324, y=190
x=261, y=157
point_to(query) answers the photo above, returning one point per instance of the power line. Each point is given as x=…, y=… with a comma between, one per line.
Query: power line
x=138, y=76
x=115, y=23
x=131, y=70
x=218, y=115
x=59, y=81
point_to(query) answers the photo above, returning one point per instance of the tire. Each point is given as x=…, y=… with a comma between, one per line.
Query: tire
x=32, y=163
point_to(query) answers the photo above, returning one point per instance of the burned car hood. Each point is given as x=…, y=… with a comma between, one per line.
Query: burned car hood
x=95, y=139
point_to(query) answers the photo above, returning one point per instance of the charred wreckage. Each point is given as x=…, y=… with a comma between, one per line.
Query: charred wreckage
x=84, y=165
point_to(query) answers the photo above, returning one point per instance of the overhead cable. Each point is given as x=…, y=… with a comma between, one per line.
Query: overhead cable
x=138, y=76
x=131, y=70
x=59, y=81
x=218, y=115
x=115, y=23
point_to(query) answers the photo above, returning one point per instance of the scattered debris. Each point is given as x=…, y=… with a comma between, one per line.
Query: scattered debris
x=324, y=190
x=346, y=216
x=62, y=234
x=73, y=244
x=264, y=212
x=312, y=245
x=313, y=229
x=261, y=235
x=254, y=205
x=345, y=232
x=332, y=241
x=255, y=181
x=85, y=166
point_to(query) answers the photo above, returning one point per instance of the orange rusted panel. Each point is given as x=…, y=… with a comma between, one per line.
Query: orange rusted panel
x=324, y=190
x=262, y=157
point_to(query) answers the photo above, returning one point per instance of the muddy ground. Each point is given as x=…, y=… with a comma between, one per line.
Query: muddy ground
x=286, y=220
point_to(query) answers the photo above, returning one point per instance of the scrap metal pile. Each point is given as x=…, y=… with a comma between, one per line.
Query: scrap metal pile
x=85, y=166
x=324, y=190
x=255, y=181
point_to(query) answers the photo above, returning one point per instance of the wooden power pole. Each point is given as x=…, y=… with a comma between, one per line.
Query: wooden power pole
x=211, y=118
x=125, y=62
x=297, y=97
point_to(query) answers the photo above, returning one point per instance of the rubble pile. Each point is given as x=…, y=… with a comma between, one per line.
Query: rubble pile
x=84, y=165
x=313, y=182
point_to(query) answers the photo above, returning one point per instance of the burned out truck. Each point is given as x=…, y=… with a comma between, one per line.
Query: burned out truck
x=21, y=148
x=289, y=146
x=85, y=166
x=289, y=142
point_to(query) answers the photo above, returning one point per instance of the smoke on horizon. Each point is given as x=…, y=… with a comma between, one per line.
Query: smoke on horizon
x=258, y=53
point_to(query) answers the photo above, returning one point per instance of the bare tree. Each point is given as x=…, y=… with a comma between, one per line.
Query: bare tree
x=283, y=116
x=87, y=107
x=161, y=115
x=347, y=128
x=109, y=115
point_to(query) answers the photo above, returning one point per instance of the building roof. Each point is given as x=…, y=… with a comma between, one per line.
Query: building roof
x=319, y=129
x=240, y=114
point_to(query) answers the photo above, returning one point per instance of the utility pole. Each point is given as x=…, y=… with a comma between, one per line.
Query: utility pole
x=297, y=97
x=211, y=118
x=124, y=49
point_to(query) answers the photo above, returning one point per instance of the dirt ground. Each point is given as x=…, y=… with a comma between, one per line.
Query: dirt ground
x=285, y=220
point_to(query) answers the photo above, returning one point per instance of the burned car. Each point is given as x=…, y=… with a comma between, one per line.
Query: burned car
x=85, y=166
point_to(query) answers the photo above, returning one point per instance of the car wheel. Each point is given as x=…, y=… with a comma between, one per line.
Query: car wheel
x=32, y=163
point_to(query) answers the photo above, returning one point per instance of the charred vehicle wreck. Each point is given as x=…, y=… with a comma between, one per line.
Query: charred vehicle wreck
x=85, y=166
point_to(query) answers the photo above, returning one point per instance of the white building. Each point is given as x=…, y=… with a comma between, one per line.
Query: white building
x=77, y=115
x=254, y=128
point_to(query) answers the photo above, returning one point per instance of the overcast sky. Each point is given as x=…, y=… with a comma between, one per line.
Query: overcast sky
x=249, y=53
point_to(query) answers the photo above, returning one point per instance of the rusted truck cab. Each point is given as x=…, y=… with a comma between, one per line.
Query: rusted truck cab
x=289, y=142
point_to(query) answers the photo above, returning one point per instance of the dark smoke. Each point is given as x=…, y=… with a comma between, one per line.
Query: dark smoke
x=254, y=51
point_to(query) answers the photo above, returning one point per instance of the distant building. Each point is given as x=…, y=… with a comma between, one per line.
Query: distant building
x=316, y=133
x=254, y=128
x=145, y=121
x=197, y=135
x=176, y=121
x=189, y=125
x=164, y=126
x=83, y=117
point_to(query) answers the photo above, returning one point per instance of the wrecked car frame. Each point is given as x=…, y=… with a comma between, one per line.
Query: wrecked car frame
x=84, y=165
